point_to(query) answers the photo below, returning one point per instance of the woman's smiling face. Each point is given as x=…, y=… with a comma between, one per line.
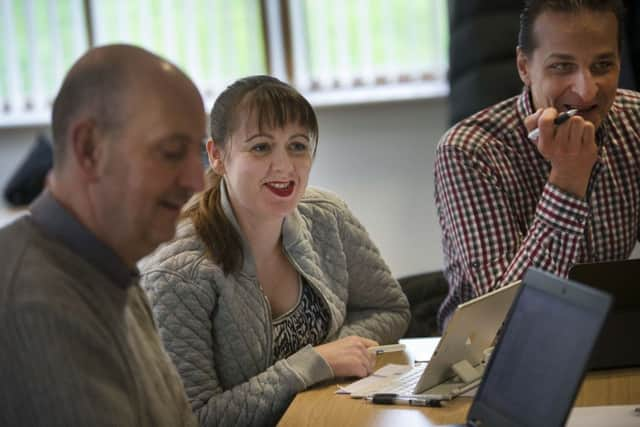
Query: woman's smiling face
x=266, y=170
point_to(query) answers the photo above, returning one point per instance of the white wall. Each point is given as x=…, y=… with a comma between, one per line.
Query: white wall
x=379, y=158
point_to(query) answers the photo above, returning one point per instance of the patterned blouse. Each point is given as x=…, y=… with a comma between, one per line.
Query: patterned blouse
x=306, y=323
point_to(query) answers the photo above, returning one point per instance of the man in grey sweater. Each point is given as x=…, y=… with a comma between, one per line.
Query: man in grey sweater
x=78, y=345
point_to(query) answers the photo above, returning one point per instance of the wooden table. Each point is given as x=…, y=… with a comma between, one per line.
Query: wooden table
x=320, y=406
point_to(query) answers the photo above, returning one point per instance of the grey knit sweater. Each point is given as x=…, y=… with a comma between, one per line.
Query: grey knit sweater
x=78, y=347
x=218, y=329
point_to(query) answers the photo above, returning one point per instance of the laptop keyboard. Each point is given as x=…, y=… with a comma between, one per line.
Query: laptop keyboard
x=405, y=383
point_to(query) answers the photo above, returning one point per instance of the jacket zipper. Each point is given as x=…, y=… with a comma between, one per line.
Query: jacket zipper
x=267, y=307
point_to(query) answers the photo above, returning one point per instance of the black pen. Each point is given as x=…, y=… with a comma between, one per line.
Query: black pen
x=392, y=398
x=562, y=117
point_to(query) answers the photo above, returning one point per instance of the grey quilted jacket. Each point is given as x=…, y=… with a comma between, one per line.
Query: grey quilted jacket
x=218, y=328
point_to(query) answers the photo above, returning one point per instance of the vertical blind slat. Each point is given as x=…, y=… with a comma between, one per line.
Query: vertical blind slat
x=214, y=75
x=57, y=48
x=277, y=61
x=147, y=31
x=168, y=28
x=298, y=39
x=80, y=41
x=389, y=36
x=364, y=42
x=344, y=71
x=440, y=62
x=193, y=65
x=97, y=24
x=14, y=83
x=252, y=9
x=322, y=30
x=37, y=95
x=123, y=24
x=230, y=40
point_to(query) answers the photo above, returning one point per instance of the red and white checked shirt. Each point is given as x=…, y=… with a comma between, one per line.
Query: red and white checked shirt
x=499, y=215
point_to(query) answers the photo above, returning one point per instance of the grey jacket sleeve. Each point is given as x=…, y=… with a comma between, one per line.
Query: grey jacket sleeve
x=184, y=310
x=377, y=306
x=56, y=370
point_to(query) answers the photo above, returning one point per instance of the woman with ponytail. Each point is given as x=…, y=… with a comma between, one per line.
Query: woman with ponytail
x=269, y=286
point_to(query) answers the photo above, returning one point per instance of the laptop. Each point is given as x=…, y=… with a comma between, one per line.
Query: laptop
x=456, y=365
x=618, y=345
x=534, y=373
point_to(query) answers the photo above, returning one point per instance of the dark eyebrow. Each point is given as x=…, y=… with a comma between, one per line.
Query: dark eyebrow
x=259, y=135
x=608, y=55
x=568, y=57
x=301, y=135
x=561, y=56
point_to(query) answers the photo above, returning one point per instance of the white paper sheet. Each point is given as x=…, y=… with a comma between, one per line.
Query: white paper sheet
x=610, y=416
x=375, y=381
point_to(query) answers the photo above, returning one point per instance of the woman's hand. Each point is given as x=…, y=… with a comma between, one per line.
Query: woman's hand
x=348, y=357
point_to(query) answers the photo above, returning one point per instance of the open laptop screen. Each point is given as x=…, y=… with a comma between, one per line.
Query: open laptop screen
x=539, y=363
x=618, y=344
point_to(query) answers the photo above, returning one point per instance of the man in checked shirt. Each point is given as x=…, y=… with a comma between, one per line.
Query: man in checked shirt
x=572, y=194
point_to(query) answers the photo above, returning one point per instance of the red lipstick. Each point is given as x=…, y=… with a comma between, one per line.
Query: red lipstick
x=281, y=189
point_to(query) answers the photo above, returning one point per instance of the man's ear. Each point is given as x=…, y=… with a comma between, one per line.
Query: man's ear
x=215, y=157
x=522, y=62
x=85, y=147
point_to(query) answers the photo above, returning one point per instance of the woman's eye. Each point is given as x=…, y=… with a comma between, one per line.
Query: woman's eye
x=260, y=148
x=299, y=147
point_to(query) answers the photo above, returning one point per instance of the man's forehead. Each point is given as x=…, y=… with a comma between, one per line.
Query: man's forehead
x=583, y=29
x=160, y=122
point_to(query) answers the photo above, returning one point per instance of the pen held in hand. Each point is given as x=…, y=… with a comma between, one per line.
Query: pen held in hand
x=562, y=117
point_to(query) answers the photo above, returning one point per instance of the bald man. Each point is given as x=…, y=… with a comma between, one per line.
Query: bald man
x=78, y=345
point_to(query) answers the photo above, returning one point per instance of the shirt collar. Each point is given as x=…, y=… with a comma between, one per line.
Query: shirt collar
x=525, y=104
x=60, y=224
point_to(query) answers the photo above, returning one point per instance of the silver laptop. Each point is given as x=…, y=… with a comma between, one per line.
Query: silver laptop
x=456, y=365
